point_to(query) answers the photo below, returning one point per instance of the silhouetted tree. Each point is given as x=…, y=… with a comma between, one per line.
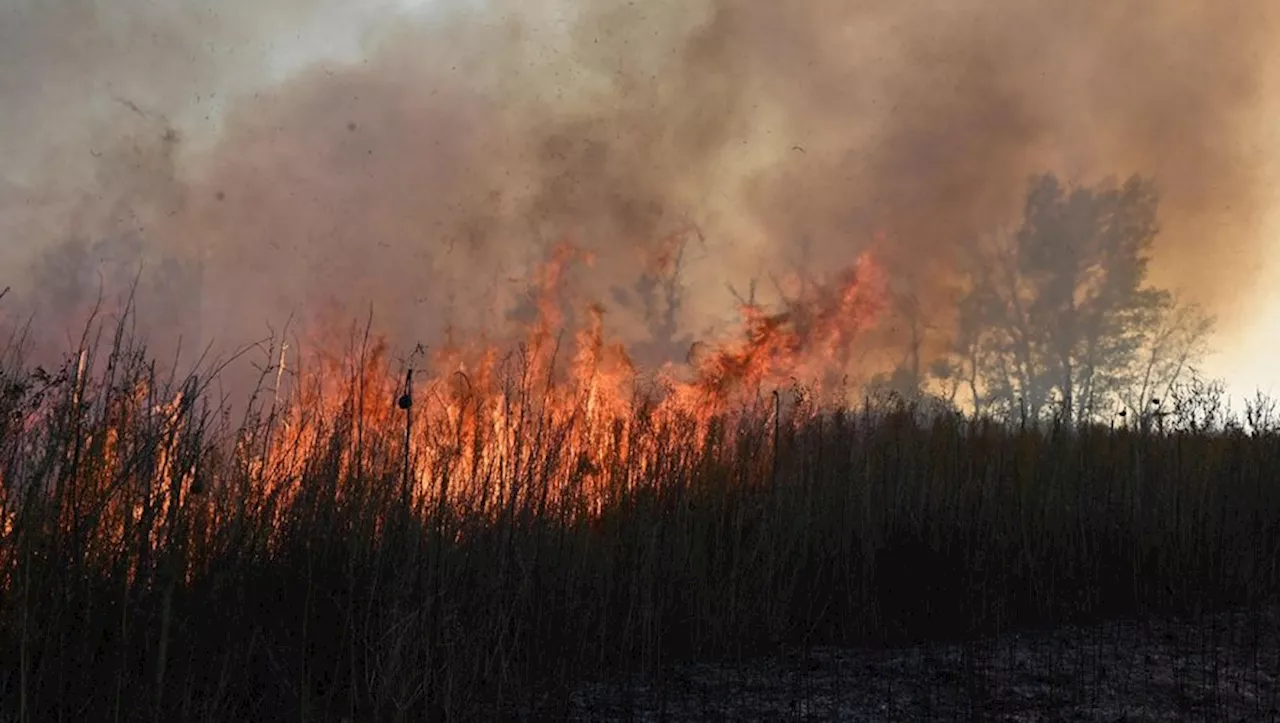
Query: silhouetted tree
x=1171, y=344
x=1058, y=319
x=909, y=376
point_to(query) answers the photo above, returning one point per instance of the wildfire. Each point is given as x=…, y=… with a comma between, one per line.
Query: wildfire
x=563, y=419
x=574, y=409
x=809, y=340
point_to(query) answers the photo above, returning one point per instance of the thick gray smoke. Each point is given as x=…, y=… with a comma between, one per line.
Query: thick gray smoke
x=422, y=172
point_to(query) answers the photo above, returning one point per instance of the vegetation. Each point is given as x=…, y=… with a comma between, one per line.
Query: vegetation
x=311, y=561
x=343, y=544
x=1058, y=319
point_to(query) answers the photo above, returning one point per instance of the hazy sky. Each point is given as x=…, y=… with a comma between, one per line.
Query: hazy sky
x=321, y=137
x=1249, y=358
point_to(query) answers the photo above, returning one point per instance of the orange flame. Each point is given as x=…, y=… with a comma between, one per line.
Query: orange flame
x=545, y=425
x=574, y=414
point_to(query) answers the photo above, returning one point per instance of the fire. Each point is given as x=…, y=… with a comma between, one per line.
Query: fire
x=809, y=340
x=565, y=421
x=574, y=410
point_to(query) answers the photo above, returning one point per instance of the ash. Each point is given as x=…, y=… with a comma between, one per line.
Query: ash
x=1220, y=667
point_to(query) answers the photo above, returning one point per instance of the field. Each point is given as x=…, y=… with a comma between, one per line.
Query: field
x=485, y=544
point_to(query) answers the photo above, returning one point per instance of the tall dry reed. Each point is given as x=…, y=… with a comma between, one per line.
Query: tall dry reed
x=161, y=559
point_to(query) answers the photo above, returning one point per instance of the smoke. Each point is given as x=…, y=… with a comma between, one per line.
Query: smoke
x=424, y=168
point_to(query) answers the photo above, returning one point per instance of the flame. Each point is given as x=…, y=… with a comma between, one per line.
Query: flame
x=814, y=336
x=564, y=421
x=583, y=417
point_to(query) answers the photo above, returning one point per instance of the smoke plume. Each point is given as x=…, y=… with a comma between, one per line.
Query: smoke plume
x=421, y=170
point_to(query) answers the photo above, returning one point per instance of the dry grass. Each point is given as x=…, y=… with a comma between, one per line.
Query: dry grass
x=161, y=560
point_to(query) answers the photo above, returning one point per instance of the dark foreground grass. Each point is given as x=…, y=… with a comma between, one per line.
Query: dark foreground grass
x=166, y=562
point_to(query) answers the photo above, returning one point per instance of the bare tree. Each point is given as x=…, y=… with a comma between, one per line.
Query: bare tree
x=1169, y=345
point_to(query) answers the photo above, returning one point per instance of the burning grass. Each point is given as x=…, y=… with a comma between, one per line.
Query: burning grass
x=517, y=523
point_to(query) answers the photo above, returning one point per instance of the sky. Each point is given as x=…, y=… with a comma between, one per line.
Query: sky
x=1251, y=361
x=298, y=120
x=1248, y=357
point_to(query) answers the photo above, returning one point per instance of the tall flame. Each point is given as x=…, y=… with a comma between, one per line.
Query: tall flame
x=583, y=417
